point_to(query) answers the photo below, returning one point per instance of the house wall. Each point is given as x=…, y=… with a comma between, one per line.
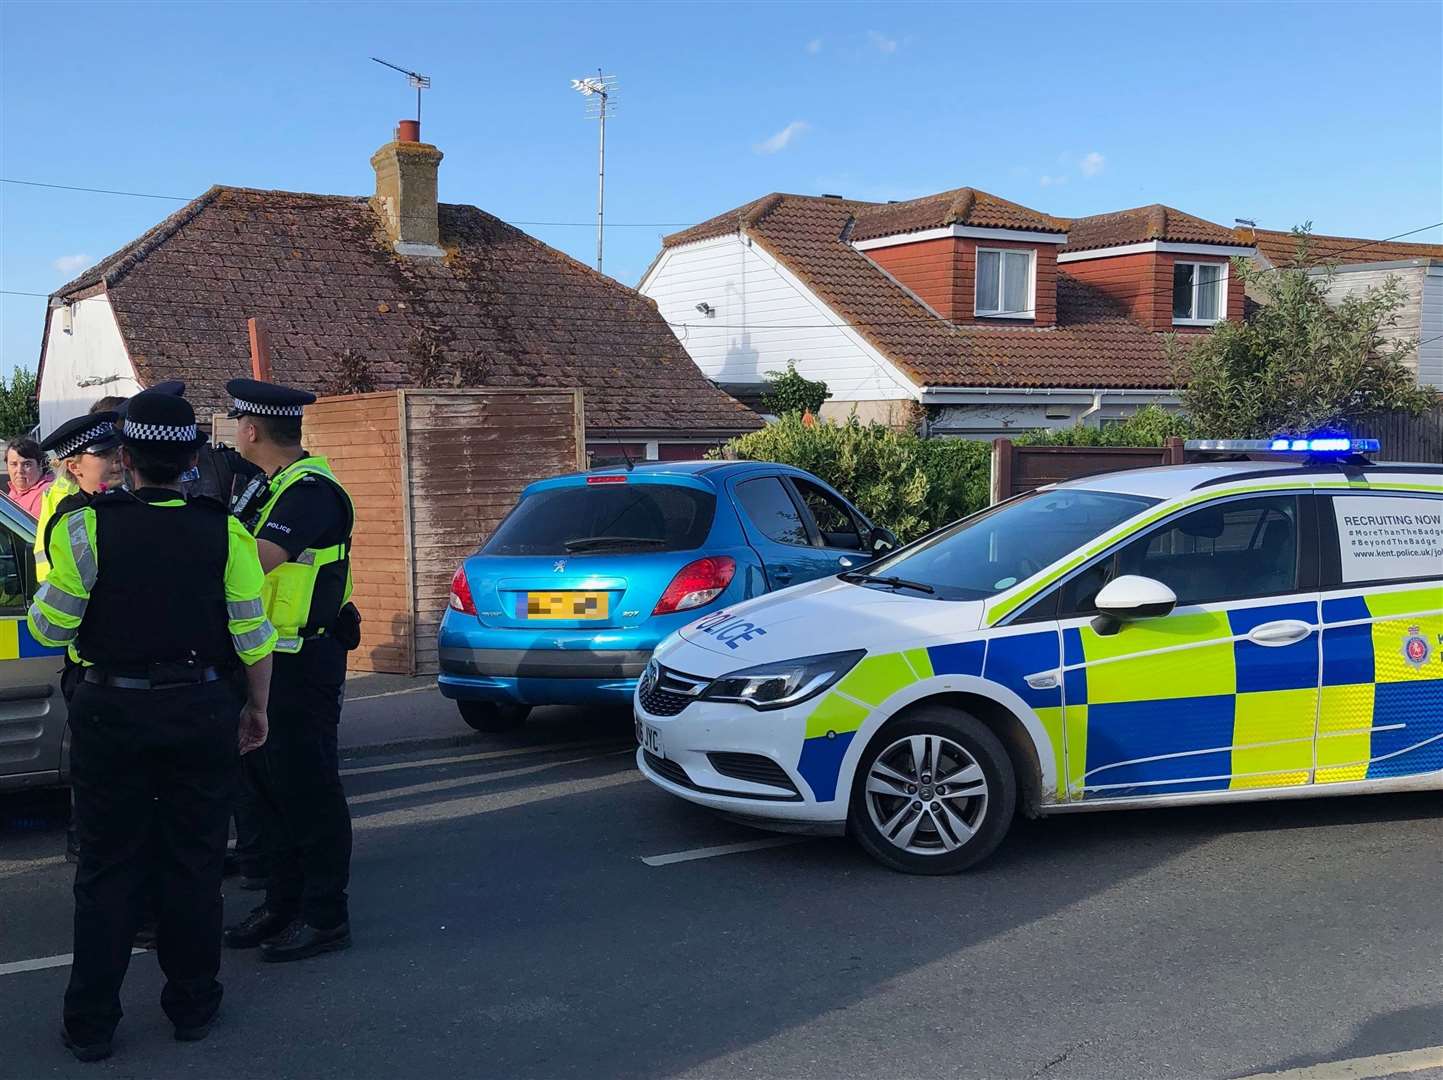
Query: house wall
x=986, y=421
x=1430, y=327
x=763, y=318
x=1142, y=282
x=85, y=360
x=943, y=273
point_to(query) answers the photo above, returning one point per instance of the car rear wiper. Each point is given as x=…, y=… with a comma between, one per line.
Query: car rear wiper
x=602, y=541
x=895, y=582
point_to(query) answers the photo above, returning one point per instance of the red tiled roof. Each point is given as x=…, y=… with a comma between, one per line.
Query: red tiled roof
x=1143, y=223
x=319, y=272
x=962, y=206
x=1281, y=249
x=1094, y=344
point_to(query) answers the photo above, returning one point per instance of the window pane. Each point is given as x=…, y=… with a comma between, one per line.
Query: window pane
x=834, y=520
x=1182, y=290
x=12, y=573
x=1209, y=290
x=1387, y=537
x=1227, y=552
x=772, y=511
x=989, y=274
x=610, y=517
x=1015, y=292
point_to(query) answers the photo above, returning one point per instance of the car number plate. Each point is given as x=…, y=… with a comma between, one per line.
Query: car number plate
x=566, y=606
x=649, y=739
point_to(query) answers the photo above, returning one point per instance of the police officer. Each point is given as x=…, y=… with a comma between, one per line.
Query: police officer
x=87, y=449
x=303, y=534
x=159, y=599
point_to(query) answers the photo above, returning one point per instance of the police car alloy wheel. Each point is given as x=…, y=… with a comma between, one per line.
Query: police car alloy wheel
x=934, y=793
x=491, y=717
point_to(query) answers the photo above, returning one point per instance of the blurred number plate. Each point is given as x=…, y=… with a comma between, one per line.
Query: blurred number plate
x=569, y=606
x=649, y=738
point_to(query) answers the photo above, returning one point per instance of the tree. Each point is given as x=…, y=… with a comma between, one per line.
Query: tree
x=1299, y=363
x=790, y=392
x=19, y=411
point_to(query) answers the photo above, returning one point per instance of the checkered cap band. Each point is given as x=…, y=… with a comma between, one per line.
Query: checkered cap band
x=78, y=442
x=185, y=433
x=268, y=410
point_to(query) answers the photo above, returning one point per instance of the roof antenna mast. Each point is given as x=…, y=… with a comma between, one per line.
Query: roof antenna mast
x=417, y=80
x=600, y=92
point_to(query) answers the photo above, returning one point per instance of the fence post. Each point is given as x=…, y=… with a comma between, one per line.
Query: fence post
x=1001, y=470
x=1173, y=453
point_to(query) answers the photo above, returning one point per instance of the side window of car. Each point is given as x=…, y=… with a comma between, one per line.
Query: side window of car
x=834, y=519
x=1226, y=551
x=1382, y=537
x=772, y=511
x=15, y=574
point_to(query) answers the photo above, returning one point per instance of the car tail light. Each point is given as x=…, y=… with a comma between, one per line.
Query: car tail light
x=461, y=593
x=696, y=584
x=608, y=478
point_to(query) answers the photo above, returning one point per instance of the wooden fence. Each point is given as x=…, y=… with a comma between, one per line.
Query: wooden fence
x=1405, y=437
x=1016, y=469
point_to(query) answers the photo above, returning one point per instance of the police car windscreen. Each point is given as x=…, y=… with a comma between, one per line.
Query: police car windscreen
x=606, y=518
x=994, y=551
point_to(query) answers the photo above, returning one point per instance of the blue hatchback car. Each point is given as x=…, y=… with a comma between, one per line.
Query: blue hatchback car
x=565, y=602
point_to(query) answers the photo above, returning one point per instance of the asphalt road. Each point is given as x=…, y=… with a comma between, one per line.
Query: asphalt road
x=507, y=926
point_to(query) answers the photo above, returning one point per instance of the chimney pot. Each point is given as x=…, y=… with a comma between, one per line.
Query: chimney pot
x=408, y=131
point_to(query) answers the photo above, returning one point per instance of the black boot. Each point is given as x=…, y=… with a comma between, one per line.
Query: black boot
x=97, y=1051
x=301, y=940
x=257, y=927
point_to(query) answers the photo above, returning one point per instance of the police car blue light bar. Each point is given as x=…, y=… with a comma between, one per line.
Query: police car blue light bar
x=1320, y=444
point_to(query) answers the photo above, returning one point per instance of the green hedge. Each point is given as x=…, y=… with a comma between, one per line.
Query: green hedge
x=906, y=483
x=1149, y=426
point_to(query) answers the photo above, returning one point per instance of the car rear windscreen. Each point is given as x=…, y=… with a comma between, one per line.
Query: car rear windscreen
x=606, y=519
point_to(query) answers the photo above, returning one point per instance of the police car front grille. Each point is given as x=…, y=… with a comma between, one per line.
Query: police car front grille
x=753, y=768
x=670, y=692
x=668, y=770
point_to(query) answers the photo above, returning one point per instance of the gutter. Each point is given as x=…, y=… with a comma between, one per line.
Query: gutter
x=1001, y=395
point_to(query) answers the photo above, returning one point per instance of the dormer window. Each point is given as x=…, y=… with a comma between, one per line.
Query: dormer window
x=1199, y=292
x=1006, y=283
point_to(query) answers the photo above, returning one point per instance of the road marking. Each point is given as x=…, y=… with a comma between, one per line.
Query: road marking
x=488, y=755
x=470, y=806
x=1363, y=1068
x=722, y=849
x=391, y=693
x=467, y=781
x=14, y=867
x=15, y=967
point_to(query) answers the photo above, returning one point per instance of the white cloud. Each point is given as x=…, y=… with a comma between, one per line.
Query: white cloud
x=814, y=46
x=1092, y=163
x=782, y=139
x=881, y=42
x=1052, y=181
x=68, y=264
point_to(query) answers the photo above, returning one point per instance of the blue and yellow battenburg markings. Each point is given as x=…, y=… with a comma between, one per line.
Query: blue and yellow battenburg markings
x=17, y=643
x=1188, y=703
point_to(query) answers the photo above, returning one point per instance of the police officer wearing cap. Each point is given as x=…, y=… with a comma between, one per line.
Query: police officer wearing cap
x=303, y=534
x=87, y=448
x=158, y=598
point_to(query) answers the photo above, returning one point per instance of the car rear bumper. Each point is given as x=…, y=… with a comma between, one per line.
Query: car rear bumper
x=504, y=691
x=569, y=663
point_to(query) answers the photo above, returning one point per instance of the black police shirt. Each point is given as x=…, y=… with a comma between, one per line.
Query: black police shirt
x=312, y=514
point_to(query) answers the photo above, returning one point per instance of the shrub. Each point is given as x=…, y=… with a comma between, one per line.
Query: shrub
x=790, y=392
x=1149, y=426
x=899, y=480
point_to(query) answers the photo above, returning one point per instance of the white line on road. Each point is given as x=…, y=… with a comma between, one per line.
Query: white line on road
x=392, y=693
x=63, y=960
x=467, y=781
x=12, y=867
x=1363, y=1068
x=488, y=755
x=722, y=849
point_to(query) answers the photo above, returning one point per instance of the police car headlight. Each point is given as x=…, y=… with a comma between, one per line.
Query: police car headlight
x=776, y=686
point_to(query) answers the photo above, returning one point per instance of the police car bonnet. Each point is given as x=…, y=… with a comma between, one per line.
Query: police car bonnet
x=160, y=420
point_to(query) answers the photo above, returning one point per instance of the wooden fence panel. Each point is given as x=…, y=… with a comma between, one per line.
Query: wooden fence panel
x=1016, y=469
x=1404, y=437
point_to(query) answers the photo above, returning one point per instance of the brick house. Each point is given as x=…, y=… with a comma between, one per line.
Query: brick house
x=390, y=287
x=978, y=314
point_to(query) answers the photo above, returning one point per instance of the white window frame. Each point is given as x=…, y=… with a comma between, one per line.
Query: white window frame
x=1222, y=297
x=1031, y=312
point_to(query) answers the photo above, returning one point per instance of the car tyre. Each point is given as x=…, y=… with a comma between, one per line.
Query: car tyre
x=490, y=717
x=960, y=823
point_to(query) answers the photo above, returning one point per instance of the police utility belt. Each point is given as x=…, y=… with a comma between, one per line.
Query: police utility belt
x=164, y=676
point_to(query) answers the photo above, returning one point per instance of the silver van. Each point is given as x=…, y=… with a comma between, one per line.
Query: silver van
x=34, y=736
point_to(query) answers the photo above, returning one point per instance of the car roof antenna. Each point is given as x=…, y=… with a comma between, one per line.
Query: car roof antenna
x=630, y=465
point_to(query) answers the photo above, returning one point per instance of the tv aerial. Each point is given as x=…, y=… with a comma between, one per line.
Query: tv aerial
x=418, y=81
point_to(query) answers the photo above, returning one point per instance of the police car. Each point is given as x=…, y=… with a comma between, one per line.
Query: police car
x=1228, y=630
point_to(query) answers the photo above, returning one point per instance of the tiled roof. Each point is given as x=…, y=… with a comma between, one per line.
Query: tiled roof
x=962, y=206
x=1094, y=344
x=1143, y=223
x=320, y=274
x=1281, y=249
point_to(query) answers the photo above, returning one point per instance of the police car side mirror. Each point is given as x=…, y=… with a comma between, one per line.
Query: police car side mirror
x=1129, y=598
x=880, y=541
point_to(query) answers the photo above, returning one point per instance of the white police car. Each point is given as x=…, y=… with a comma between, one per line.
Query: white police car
x=1239, y=629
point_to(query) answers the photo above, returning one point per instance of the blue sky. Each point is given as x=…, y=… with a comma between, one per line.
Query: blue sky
x=1278, y=112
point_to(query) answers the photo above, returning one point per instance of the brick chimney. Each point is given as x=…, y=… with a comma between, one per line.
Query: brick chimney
x=405, y=195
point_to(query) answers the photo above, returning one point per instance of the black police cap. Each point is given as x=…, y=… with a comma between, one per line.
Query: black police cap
x=173, y=387
x=161, y=421
x=93, y=433
x=256, y=398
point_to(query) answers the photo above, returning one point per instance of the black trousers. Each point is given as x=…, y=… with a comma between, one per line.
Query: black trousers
x=251, y=848
x=296, y=775
x=153, y=772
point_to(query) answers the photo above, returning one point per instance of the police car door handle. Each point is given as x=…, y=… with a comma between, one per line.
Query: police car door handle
x=1282, y=632
x=1043, y=680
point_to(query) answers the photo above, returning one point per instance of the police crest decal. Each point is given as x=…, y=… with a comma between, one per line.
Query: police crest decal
x=1415, y=647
